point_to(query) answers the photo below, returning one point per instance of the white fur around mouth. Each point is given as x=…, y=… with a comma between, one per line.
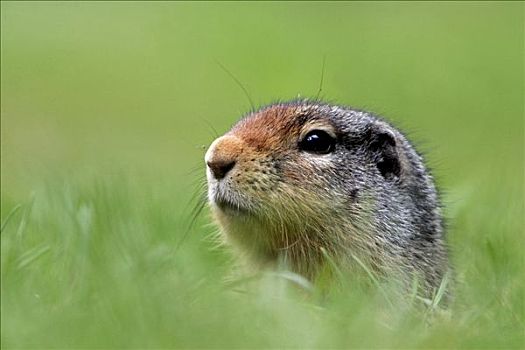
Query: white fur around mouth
x=228, y=206
x=225, y=201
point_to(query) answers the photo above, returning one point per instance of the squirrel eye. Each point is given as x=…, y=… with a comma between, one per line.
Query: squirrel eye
x=317, y=141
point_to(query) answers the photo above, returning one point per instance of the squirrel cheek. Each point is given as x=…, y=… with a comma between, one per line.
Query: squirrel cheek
x=253, y=178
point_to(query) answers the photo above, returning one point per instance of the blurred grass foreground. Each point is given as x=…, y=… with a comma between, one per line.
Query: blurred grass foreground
x=107, y=109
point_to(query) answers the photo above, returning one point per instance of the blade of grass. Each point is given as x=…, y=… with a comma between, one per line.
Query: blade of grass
x=9, y=216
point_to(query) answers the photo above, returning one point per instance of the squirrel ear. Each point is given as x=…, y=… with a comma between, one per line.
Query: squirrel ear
x=384, y=149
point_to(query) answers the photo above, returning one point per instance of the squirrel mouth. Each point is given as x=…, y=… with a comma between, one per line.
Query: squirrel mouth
x=226, y=200
x=229, y=207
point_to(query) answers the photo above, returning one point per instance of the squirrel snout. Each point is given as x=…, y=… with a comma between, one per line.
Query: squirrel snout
x=220, y=168
x=222, y=155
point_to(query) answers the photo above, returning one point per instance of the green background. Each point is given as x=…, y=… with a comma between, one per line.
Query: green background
x=108, y=107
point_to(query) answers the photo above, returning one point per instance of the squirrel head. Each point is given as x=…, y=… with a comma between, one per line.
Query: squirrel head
x=280, y=172
x=302, y=179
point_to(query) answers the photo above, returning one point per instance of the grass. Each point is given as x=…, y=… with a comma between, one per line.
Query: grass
x=107, y=109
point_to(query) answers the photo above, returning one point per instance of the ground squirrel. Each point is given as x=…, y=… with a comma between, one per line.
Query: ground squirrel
x=298, y=180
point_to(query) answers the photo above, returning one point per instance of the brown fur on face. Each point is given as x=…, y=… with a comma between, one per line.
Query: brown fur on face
x=269, y=129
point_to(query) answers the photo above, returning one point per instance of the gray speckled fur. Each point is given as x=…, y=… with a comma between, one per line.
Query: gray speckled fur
x=407, y=219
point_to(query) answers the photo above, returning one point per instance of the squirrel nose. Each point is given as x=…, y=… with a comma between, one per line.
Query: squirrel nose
x=222, y=155
x=220, y=167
